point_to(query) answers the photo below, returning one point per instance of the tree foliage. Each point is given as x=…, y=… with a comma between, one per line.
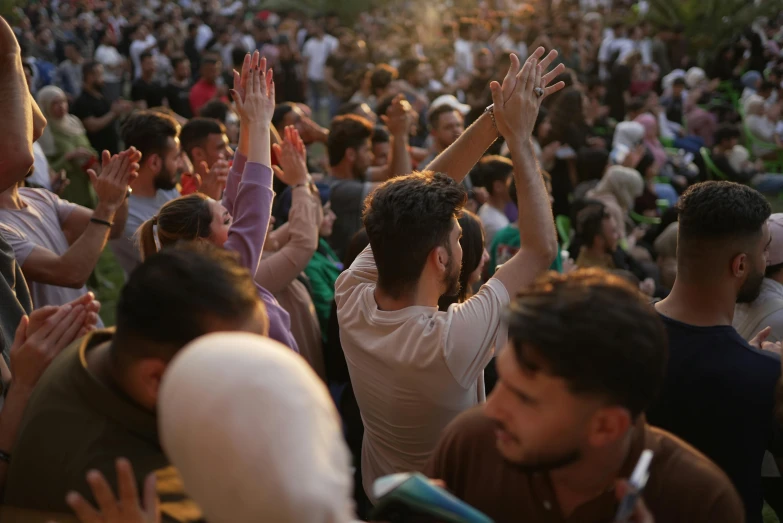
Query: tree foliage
x=710, y=23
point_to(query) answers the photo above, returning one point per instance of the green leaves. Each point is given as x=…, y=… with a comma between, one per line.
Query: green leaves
x=710, y=23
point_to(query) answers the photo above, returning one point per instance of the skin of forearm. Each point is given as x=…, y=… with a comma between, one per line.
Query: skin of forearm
x=120, y=218
x=400, y=162
x=258, y=144
x=536, y=224
x=81, y=258
x=16, y=150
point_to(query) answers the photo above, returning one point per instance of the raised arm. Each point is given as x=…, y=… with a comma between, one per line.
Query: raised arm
x=515, y=120
x=74, y=266
x=22, y=119
x=460, y=157
x=250, y=199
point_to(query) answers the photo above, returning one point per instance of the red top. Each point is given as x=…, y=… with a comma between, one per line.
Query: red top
x=200, y=94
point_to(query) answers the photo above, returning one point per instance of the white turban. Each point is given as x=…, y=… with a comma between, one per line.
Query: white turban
x=254, y=433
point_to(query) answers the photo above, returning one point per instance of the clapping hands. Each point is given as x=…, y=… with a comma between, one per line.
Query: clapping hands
x=254, y=96
x=117, y=173
x=516, y=103
x=293, y=159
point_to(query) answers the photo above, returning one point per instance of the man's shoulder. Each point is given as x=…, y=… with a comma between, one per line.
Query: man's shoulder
x=683, y=481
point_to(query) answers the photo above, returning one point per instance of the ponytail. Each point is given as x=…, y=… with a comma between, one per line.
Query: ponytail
x=184, y=218
x=146, y=238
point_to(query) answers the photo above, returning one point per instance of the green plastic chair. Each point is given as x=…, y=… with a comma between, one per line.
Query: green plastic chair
x=712, y=170
x=563, y=225
x=773, y=166
x=641, y=219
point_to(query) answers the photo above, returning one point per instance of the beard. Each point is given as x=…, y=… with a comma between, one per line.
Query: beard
x=451, y=279
x=543, y=462
x=751, y=289
x=165, y=180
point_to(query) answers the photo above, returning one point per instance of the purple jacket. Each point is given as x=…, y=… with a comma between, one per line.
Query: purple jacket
x=248, y=198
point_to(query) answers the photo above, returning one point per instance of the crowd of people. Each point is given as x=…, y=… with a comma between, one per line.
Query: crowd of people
x=507, y=251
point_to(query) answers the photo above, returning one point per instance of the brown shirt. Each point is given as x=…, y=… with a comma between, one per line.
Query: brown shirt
x=73, y=423
x=684, y=486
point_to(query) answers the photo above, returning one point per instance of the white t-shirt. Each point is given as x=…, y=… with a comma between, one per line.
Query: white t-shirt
x=317, y=51
x=40, y=168
x=137, y=48
x=126, y=248
x=40, y=225
x=413, y=370
x=493, y=221
x=112, y=60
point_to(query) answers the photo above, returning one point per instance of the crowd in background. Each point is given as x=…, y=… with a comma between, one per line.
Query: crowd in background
x=506, y=250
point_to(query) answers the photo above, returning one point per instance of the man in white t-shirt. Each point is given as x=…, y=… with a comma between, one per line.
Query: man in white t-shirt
x=315, y=52
x=413, y=368
x=495, y=173
x=113, y=64
x=143, y=42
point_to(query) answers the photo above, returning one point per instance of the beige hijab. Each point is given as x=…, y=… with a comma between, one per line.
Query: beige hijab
x=624, y=184
x=254, y=433
x=68, y=125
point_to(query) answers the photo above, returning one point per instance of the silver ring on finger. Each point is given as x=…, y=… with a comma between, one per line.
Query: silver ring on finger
x=539, y=91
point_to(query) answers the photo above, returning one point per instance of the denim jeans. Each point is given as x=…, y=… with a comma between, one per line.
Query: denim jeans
x=768, y=183
x=318, y=94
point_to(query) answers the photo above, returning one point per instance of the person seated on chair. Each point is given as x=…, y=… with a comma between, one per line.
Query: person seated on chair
x=732, y=160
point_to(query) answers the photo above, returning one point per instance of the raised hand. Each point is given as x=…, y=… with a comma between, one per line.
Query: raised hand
x=514, y=71
x=40, y=338
x=258, y=104
x=398, y=117
x=88, y=301
x=212, y=182
x=761, y=343
x=126, y=508
x=254, y=62
x=293, y=159
x=117, y=174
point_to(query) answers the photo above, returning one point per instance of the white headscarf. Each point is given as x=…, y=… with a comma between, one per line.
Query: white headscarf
x=67, y=125
x=694, y=77
x=625, y=184
x=254, y=433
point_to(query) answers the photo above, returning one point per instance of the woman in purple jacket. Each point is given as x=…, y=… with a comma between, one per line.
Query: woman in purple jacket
x=240, y=223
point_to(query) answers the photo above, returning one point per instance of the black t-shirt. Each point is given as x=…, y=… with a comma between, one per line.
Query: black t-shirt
x=347, y=197
x=719, y=396
x=151, y=92
x=619, y=83
x=179, y=99
x=87, y=106
x=15, y=299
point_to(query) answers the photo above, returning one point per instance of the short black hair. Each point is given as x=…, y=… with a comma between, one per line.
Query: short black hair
x=717, y=213
x=635, y=105
x=238, y=57
x=679, y=81
x=491, y=169
x=384, y=103
x=382, y=76
x=406, y=218
x=408, y=67
x=434, y=115
x=195, y=133
x=622, y=353
x=170, y=295
x=591, y=163
x=149, y=131
x=718, y=210
x=348, y=108
x=380, y=135
x=88, y=67
x=178, y=59
x=143, y=56
x=589, y=223
x=347, y=132
x=281, y=111
x=216, y=110
x=725, y=132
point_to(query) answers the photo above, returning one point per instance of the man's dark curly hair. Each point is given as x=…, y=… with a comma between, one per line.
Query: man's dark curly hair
x=717, y=210
x=149, y=131
x=406, y=218
x=618, y=355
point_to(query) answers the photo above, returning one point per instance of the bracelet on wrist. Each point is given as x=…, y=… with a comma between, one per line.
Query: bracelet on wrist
x=491, y=111
x=102, y=222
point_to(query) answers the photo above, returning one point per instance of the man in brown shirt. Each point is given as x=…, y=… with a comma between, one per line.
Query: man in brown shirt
x=97, y=401
x=586, y=356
